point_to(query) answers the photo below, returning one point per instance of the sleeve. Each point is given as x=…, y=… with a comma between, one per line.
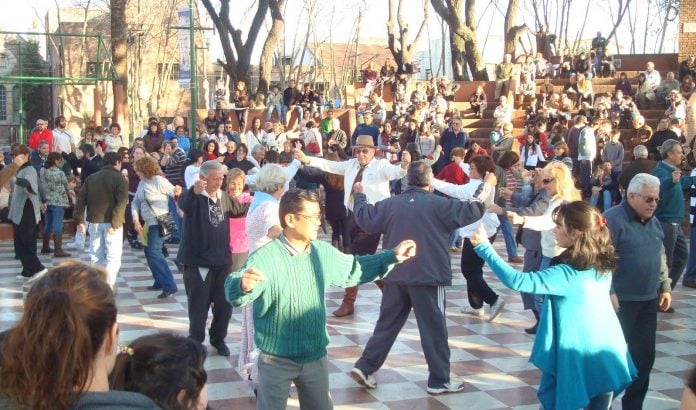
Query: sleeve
x=270, y=217
x=665, y=281
x=137, y=201
x=542, y=222
x=187, y=201
x=334, y=167
x=233, y=285
x=369, y=217
x=42, y=185
x=356, y=270
x=391, y=171
x=536, y=208
x=454, y=191
x=557, y=280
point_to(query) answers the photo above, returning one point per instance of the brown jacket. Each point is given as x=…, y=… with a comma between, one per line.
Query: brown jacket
x=105, y=195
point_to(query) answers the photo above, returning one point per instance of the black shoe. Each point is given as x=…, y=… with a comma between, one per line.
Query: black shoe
x=221, y=348
x=136, y=245
x=532, y=330
x=172, y=241
x=165, y=294
x=154, y=287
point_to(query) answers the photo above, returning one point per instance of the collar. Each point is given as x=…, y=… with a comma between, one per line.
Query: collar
x=293, y=251
x=670, y=166
x=205, y=194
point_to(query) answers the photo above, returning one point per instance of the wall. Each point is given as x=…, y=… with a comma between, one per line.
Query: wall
x=687, y=41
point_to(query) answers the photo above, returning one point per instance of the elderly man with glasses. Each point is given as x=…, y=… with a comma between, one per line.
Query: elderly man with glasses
x=376, y=174
x=41, y=133
x=640, y=285
x=452, y=137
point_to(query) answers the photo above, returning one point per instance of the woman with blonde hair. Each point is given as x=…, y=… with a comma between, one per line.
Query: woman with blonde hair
x=559, y=183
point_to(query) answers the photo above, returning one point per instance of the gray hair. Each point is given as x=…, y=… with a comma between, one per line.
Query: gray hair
x=641, y=181
x=667, y=147
x=208, y=166
x=257, y=148
x=271, y=178
x=640, y=151
x=419, y=174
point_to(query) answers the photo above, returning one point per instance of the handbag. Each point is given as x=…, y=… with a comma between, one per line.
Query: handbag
x=165, y=221
x=313, y=147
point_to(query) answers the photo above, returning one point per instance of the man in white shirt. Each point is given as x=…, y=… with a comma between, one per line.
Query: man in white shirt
x=62, y=139
x=375, y=174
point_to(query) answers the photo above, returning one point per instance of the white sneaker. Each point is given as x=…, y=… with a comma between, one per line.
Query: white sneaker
x=21, y=277
x=446, y=388
x=468, y=310
x=362, y=379
x=496, y=309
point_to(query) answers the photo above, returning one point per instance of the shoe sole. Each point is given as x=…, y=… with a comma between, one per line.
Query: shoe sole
x=360, y=380
x=437, y=392
x=472, y=314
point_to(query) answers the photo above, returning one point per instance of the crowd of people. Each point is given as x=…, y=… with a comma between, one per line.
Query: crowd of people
x=602, y=237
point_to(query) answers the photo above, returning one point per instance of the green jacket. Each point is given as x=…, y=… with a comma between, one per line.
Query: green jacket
x=105, y=195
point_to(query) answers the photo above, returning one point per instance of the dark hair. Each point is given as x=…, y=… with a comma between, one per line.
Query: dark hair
x=115, y=124
x=593, y=247
x=419, y=174
x=52, y=159
x=508, y=159
x=194, y=154
x=292, y=202
x=21, y=149
x=58, y=120
x=483, y=164
x=160, y=366
x=47, y=358
x=87, y=149
x=111, y=158
x=309, y=124
x=272, y=157
x=243, y=147
x=283, y=157
x=182, y=128
x=216, y=149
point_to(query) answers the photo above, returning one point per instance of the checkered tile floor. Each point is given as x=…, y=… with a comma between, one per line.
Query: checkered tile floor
x=490, y=358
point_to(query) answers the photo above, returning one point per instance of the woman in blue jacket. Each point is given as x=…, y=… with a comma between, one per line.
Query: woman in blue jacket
x=579, y=347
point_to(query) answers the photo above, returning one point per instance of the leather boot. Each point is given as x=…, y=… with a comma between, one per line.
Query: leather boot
x=45, y=249
x=58, y=244
x=346, y=307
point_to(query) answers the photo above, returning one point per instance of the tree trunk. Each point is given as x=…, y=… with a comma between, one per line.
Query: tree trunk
x=402, y=50
x=512, y=32
x=269, y=46
x=459, y=58
x=119, y=54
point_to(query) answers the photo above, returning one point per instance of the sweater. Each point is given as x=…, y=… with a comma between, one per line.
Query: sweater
x=579, y=341
x=25, y=188
x=614, y=152
x=108, y=400
x=670, y=209
x=205, y=238
x=105, y=195
x=152, y=199
x=289, y=308
x=641, y=271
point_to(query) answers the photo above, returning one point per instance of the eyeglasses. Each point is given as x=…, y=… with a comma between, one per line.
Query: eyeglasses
x=547, y=181
x=311, y=218
x=649, y=199
x=363, y=151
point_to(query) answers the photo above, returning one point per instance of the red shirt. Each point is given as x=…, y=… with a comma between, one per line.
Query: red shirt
x=36, y=137
x=454, y=174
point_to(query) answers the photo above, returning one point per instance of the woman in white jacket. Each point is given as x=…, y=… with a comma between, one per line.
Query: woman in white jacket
x=478, y=290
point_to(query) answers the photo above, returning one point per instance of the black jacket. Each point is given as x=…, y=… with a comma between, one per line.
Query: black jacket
x=427, y=219
x=206, y=235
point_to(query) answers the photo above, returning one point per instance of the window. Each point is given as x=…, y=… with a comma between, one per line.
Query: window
x=173, y=70
x=284, y=61
x=3, y=60
x=3, y=103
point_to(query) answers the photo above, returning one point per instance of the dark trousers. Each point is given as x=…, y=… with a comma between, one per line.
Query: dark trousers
x=676, y=249
x=639, y=325
x=201, y=294
x=339, y=234
x=361, y=242
x=477, y=289
x=25, y=242
x=428, y=303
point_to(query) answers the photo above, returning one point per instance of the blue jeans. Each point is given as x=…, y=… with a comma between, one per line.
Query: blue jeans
x=157, y=262
x=105, y=249
x=284, y=113
x=508, y=236
x=278, y=108
x=54, y=220
x=176, y=235
x=455, y=239
x=606, y=200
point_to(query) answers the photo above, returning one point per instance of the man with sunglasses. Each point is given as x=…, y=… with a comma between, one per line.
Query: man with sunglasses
x=670, y=210
x=375, y=173
x=640, y=285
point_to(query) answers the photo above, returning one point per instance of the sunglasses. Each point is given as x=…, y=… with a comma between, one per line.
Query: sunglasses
x=363, y=151
x=649, y=199
x=547, y=181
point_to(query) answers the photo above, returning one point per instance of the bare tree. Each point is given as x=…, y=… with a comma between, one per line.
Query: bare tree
x=269, y=46
x=512, y=32
x=400, y=45
x=237, y=51
x=671, y=12
x=463, y=40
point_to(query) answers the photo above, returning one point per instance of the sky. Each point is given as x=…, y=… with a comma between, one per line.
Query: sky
x=23, y=17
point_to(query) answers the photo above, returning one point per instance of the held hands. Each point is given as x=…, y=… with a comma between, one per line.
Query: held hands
x=496, y=209
x=515, y=219
x=299, y=155
x=405, y=159
x=177, y=190
x=250, y=278
x=505, y=193
x=405, y=250
x=480, y=236
x=359, y=188
x=199, y=186
x=676, y=175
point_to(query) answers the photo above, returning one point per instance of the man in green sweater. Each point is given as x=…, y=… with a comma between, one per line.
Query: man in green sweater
x=286, y=280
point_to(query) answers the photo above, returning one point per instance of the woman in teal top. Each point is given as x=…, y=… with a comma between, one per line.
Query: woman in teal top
x=579, y=348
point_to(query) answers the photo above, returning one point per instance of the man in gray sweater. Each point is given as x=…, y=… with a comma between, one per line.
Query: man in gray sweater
x=640, y=283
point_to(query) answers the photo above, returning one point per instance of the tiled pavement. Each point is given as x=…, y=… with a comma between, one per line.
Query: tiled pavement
x=490, y=358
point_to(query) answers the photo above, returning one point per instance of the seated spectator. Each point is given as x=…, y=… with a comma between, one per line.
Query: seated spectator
x=526, y=89
x=478, y=102
x=73, y=307
x=640, y=164
x=624, y=85
x=606, y=66
x=603, y=186
x=212, y=151
x=677, y=106
x=664, y=90
x=662, y=134
x=274, y=102
x=531, y=154
x=648, y=81
x=687, y=67
x=447, y=88
x=546, y=90
x=473, y=150
x=544, y=69
x=583, y=66
x=585, y=91
x=642, y=133
x=571, y=88
x=167, y=368
x=561, y=154
x=503, y=112
x=687, y=86
x=308, y=99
